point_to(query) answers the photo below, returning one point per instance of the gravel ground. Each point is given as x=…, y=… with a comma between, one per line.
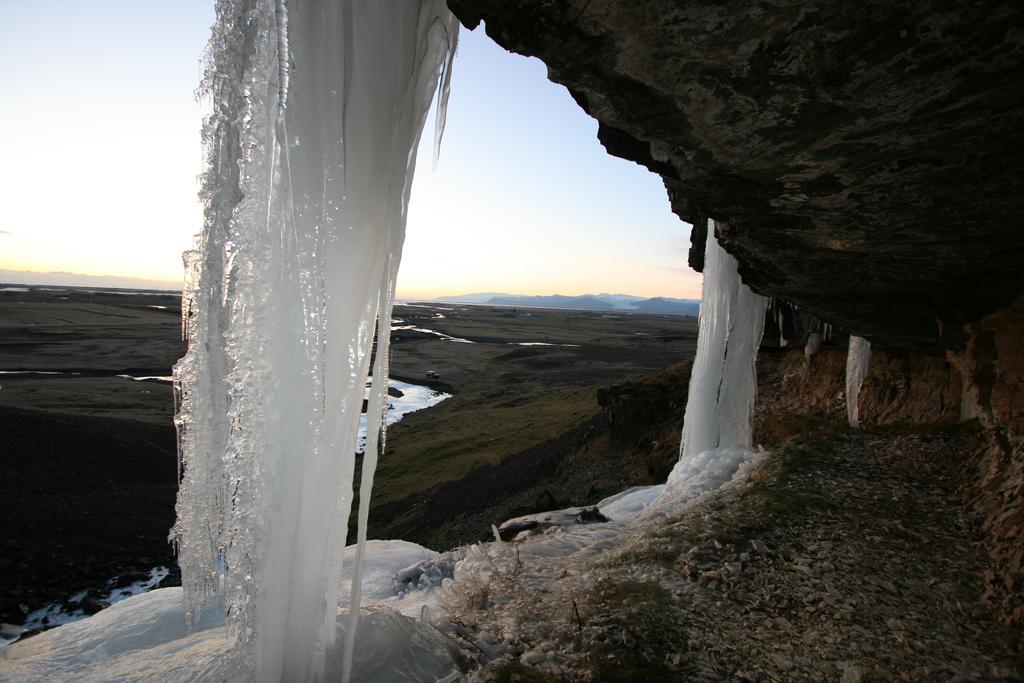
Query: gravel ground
x=845, y=557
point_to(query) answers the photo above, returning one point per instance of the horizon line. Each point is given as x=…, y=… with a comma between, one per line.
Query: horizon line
x=63, y=278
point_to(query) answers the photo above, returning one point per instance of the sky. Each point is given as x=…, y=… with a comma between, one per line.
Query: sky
x=103, y=153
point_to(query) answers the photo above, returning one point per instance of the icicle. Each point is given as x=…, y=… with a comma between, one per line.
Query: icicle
x=723, y=382
x=738, y=389
x=717, y=436
x=783, y=342
x=856, y=369
x=442, y=94
x=305, y=222
x=812, y=346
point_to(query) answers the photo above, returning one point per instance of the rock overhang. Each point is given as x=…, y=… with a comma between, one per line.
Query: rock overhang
x=863, y=159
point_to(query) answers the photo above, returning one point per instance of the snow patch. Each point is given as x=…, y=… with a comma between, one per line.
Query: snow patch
x=628, y=504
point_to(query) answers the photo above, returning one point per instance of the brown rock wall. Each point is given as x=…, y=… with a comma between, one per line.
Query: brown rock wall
x=910, y=388
x=993, y=366
x=795, y=396
x=994, y=485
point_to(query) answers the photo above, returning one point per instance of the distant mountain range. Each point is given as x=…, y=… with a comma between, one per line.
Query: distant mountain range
x=61, y=278
x=623, y=303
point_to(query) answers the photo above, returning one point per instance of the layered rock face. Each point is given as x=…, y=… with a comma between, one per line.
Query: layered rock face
x=863, y=160
x=993, y=371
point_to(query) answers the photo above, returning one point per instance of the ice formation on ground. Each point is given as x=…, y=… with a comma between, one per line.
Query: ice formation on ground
x=626, y=505
x=317, y=112
x=146, y=638
x=857, y=359
x=58, y=613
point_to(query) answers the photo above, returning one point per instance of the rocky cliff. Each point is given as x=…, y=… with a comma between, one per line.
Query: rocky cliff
x=863, y=161
x=864, y=157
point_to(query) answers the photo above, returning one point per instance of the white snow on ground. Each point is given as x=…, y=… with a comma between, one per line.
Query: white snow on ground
x=144, y=637
x=13, y=289
x=689, y=479
x=156, y=575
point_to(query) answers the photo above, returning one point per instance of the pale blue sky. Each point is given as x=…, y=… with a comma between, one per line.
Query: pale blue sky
x=103, y=152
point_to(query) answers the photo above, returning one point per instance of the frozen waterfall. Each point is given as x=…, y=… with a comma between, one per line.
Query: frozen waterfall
x=857, y=359
x=723, y=383
x=717, y=436
x=317, y=112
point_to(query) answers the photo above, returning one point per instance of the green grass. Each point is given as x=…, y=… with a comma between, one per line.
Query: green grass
x=448, y=441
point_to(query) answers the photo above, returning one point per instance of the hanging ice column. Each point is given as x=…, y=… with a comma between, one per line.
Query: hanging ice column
x=723, y=382
x=318, y=109
x=717, y=427
x=857, y=358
